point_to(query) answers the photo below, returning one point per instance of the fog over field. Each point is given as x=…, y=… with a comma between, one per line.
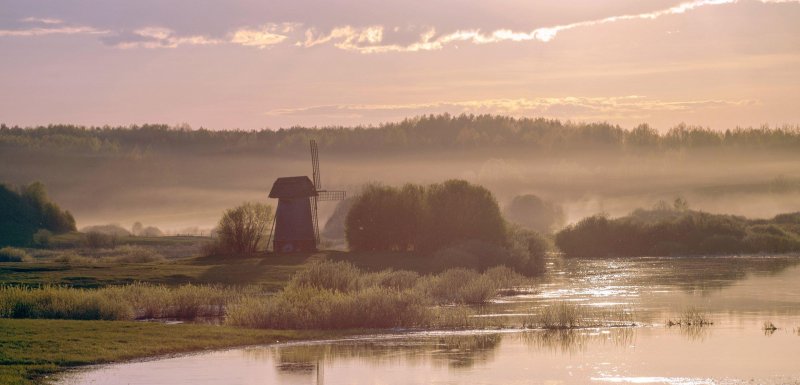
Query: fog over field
x=180, y=178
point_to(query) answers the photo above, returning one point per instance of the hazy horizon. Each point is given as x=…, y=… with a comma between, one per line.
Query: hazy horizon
x=251, y=65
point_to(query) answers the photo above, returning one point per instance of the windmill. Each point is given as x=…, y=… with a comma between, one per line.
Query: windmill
x=296, y=226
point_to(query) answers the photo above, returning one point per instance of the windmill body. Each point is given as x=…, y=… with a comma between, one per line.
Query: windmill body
x=296, y=227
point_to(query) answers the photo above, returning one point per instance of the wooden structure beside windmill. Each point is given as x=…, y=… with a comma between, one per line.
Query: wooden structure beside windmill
x=296, y=227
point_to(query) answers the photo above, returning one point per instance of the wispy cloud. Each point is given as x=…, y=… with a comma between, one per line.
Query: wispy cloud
x=264, y=36
x=156, y=37
x=370, y=39
x=571, y=107
x=42, y=20
x=49, y=26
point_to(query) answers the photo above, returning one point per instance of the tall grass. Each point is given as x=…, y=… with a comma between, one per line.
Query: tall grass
x=61, y=303
x=135, y=301
x=333, y=295
x=327, y=295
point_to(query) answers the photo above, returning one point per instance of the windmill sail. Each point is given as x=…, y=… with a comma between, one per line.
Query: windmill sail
x=317, y=186
x=320, y=194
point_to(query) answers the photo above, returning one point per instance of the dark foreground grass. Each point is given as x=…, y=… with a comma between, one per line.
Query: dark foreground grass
x=30, y=350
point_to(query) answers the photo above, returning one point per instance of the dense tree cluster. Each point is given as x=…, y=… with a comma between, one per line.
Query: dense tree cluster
x=26, y=210
x=432, y=132
x=672, y=231
x=429, y=218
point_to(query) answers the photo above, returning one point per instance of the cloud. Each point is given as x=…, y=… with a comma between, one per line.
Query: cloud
x=44, y=31
x=570, y=107
x=265, y=36
x=42, y=20
x=370, y=39
x=155, y=37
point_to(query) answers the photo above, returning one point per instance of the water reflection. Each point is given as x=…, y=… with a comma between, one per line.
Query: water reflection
x=739, y=294
x=576, y=341
x=455, y=351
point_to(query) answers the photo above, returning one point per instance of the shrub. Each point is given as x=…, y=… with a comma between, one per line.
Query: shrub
x=42, y=238
x=13, y=254
x=111, y=229
x=242, y=229
x=423, y=218
x=135, y=254
x=98, y=240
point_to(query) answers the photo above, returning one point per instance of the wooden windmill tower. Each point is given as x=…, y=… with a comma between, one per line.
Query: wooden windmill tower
x=296, y=227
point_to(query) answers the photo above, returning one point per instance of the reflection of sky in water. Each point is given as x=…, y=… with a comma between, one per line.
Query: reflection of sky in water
x=739, y=294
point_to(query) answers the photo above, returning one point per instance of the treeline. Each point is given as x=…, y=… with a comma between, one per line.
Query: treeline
x=431, y=132
x=678, y=231
x=28, y=216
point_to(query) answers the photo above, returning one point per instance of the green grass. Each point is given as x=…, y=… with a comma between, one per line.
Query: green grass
x=32, y=349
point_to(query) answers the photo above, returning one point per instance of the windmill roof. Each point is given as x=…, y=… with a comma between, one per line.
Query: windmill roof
x=292, y=187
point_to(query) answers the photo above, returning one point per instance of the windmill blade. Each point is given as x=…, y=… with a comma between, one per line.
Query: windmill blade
x=315, y=219
x=331, y=195
x=315, y=165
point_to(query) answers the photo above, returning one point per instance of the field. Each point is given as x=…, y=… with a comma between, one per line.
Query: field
x=30, y=350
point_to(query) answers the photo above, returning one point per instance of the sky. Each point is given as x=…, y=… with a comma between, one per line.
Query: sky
x=247, y=64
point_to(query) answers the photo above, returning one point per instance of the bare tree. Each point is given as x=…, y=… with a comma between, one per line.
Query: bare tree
x=243, y=229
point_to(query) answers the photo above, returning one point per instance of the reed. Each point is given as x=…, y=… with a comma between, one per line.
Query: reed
x=691, y=316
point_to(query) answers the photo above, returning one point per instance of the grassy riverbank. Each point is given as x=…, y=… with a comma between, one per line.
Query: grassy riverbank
x=32, y=349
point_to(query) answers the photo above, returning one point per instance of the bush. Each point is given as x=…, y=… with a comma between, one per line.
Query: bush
x=111, y=229
x=242, y=229
x=135, y=254
x=99, y=240
x=423, y=218
x=13, y=254
x=42, y=238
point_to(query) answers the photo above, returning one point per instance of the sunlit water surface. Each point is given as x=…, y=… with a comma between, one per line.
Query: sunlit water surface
x=738, y=293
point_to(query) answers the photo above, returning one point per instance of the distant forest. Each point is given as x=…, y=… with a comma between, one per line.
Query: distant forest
x=430, y=132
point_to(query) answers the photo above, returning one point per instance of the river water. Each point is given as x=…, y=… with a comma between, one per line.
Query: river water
x=739, y=294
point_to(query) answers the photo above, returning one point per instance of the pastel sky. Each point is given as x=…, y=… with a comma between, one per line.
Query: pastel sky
x=268, y=64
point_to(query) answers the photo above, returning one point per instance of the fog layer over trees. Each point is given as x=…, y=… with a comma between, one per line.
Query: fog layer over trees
x=176, y=177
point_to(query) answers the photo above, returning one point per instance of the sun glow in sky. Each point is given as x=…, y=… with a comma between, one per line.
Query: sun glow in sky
x=254, y=64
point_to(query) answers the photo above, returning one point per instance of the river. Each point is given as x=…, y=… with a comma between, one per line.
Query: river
x=739, y=294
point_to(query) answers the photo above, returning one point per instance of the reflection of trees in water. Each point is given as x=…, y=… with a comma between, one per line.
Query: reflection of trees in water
x=700, y=275
x=714, y=273
x=455, y=351
x=573, y=341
